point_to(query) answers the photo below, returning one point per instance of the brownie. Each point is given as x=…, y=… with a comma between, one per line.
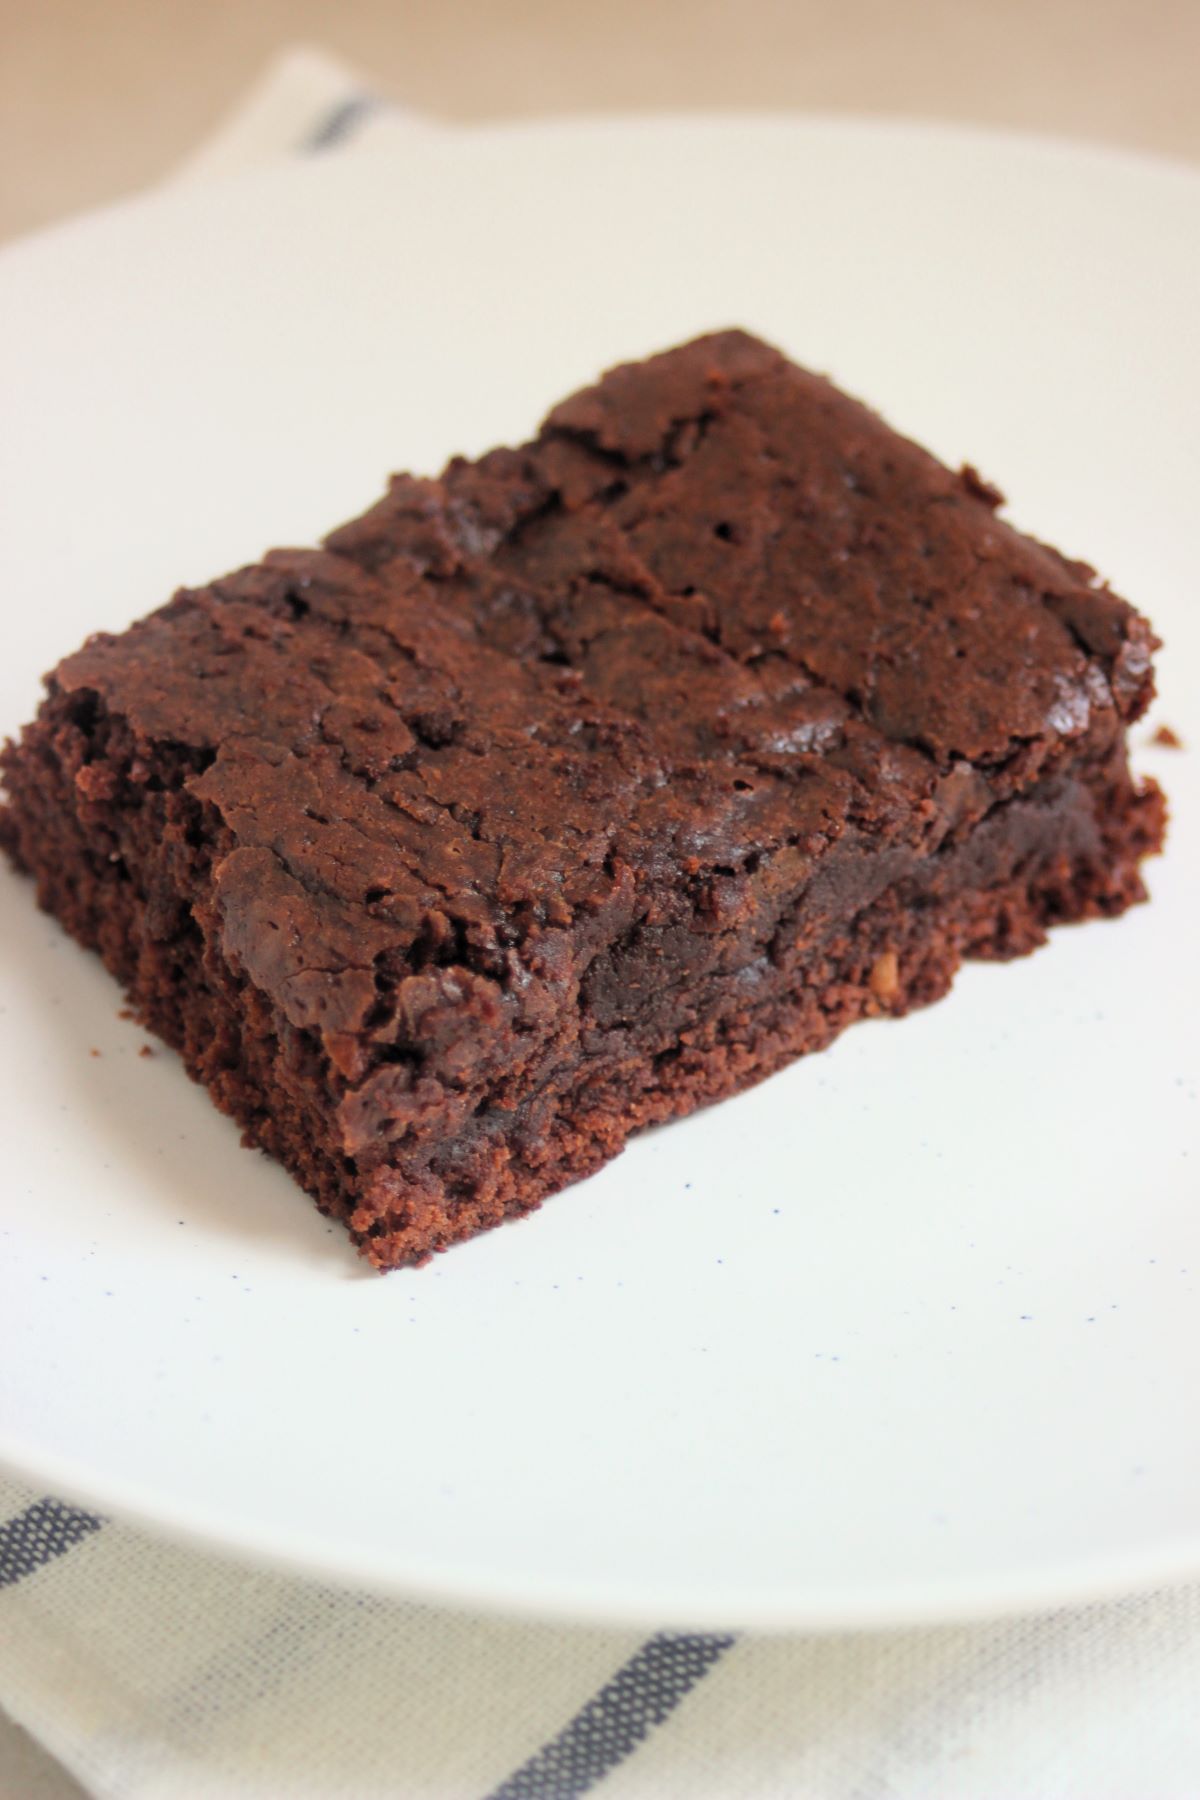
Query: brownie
x=585, y=784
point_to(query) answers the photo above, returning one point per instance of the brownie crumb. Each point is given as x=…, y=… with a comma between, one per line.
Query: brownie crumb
x=145, y=1050
x=979, y=488
x=1167, y=738
x=93, y=1051
x=884, y=979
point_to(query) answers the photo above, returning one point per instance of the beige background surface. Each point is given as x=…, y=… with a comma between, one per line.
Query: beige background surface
x=101, y=96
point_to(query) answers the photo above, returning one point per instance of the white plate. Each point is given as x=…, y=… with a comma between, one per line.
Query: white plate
x=909, y=1332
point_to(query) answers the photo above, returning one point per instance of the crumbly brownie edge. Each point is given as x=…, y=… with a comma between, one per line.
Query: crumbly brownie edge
x=888, y=960
x=891, y=957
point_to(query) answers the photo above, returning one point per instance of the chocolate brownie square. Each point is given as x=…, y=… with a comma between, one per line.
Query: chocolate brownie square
x=584, y=785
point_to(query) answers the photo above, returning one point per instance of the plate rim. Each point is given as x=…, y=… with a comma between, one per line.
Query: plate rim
x=178, y=187
x=904, y=1605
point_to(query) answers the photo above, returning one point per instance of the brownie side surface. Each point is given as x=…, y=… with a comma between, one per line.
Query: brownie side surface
x=584, y=785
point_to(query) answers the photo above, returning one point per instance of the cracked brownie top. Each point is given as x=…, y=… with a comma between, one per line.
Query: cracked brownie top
x=716, y=620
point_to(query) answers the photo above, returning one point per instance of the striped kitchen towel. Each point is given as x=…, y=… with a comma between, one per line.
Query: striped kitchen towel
x=157, y=1672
